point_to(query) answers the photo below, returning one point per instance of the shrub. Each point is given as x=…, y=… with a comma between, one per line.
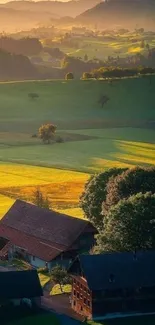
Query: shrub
x=59, y=139
x=33, y=95
x=69, y=76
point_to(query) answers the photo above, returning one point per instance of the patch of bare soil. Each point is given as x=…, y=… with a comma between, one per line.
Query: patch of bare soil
x=67, y=137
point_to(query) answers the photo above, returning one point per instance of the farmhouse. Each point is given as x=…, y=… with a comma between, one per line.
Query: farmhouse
x=43, y=237
x=113, y=283
x=20, y=287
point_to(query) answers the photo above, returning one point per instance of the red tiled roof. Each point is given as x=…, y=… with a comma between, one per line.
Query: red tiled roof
x=42, y=249
x=48, y=225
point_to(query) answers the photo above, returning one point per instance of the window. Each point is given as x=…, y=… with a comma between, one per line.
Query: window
x=88, y=303
x=81, y=286
x=78, y=295
x=74, y=293
x=85, y=301
x=33, y=258
x=81, y=296
x=74, y=302
x=81, y=308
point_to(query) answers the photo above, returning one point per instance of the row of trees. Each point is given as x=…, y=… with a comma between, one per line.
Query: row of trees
x=116, y=72
x=112, y=73
x=121, y=204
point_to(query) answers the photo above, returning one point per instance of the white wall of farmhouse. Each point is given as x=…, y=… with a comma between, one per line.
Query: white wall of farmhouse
x=36, y=262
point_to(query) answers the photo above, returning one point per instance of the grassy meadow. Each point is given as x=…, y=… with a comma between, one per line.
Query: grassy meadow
x=144, y=320
x=48, y=319
x=95, y=138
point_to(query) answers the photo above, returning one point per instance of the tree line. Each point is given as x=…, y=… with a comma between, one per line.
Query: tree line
x=130, y=65
x=26, y=46
x=112, y=72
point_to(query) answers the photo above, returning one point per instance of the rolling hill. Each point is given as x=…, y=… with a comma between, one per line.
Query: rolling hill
x=121, y=13
x=54, y=8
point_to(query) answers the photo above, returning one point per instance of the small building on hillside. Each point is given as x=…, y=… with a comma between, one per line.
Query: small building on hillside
x=43, y=237
x=113, y=284
x=20, y=287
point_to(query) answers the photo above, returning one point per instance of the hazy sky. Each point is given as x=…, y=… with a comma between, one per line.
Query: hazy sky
x=4, y=1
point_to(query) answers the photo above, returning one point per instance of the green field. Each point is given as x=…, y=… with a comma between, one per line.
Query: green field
x=144, y=320
x=50, y=319
x=47, y=319
x=95, y=138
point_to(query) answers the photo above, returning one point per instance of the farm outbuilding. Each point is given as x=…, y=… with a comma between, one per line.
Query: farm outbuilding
x=20, y=287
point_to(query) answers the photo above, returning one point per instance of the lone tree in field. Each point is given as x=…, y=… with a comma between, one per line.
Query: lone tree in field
x=103, y=100
x=129, y=226
x=69, y=76
x=59, y=276
x=40, y=200
x=47, y=132
x=33, y=96
x=94, y=194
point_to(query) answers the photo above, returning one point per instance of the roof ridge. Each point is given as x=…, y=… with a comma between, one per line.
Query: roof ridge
x=49, y=210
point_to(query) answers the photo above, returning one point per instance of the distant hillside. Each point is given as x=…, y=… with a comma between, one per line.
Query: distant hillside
x=12, y=20
x=122, y=13
x=55, y=8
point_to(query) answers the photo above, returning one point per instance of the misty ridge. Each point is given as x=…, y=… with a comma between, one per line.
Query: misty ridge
x=17, y=15
x=49, y=39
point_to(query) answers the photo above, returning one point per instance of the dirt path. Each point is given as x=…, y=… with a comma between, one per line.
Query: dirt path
x=60, y=305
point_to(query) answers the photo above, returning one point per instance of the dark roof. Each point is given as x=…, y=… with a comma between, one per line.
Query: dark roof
x=20, y=284
x=40, y=248
x=45, y=224
x=125, y=269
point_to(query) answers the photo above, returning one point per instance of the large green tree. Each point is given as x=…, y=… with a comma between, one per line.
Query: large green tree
x=129, y=225
x=95, y=193
x=130, y=182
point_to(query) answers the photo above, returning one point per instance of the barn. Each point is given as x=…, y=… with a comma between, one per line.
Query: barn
x=43, y=237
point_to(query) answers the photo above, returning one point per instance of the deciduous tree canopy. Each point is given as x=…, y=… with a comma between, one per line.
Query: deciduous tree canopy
x=130, y=182
x=47, y=132
x=95, y=193
x=129, y=225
